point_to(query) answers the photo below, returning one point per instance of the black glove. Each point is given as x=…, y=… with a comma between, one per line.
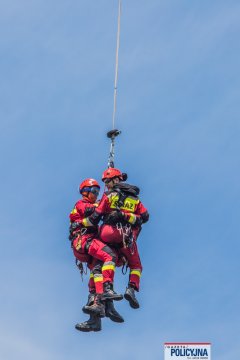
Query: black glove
x=116, y=216
x=74, y=226
x=88, y=211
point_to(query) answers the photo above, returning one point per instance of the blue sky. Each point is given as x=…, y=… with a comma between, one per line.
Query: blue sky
x=178, y=109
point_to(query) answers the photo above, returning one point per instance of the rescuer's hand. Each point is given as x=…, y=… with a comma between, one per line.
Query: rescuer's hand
x=116, y=216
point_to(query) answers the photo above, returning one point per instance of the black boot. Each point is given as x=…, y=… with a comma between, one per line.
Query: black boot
x=90, y=301
x=96, y=308
x=109, y=293
x=94, y=323
x=112, y=313
x=130, y=296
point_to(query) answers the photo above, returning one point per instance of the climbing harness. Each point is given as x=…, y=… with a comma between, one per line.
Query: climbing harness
x=112, y=134
x=126, y=232
x=78, y=236
x=84, y=231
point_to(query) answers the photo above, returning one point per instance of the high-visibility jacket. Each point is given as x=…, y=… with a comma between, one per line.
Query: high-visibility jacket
x=127, y=202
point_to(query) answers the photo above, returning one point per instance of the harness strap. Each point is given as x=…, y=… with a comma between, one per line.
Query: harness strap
x=88, y=243
x=127, y=234
x=125, y=268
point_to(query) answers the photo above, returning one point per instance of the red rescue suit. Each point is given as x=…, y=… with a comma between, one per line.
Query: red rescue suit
x=132, y=215
x=86, y=245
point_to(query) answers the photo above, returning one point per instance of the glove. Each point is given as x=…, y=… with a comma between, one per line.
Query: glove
x=74, y=226
x=116, y=216
x=88, y=211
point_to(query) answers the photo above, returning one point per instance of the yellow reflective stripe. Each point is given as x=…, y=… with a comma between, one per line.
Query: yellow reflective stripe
x=79, y=243
x=132, y=218
x=98, y=279
x=86, y=222
x=135, y=272
x=108, y=267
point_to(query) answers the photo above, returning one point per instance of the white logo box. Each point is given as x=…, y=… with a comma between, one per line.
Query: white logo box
x=187, y=351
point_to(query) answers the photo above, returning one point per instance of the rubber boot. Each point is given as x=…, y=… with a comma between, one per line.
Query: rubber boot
x=130, y=296
x=109, y=293
x=97, y=308
x=112, y=313
x=94, y=323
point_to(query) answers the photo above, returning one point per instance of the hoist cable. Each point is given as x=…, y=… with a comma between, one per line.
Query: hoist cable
x=116, y=65
x=114, y=132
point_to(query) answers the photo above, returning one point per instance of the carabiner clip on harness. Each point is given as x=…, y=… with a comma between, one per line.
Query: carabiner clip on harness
x=126, y=232
x=83, y=231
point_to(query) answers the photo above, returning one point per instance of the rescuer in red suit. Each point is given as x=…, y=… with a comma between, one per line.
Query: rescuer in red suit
x=100, y=257
x=122, y=214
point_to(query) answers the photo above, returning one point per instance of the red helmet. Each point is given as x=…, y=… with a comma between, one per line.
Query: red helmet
x=88, y=183
x=111, y=173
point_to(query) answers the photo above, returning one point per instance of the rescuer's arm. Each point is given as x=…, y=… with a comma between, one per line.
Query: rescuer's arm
x=98, y=213
x=139, y=217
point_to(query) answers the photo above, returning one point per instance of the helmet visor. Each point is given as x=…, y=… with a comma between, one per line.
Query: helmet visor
x=93, y=189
